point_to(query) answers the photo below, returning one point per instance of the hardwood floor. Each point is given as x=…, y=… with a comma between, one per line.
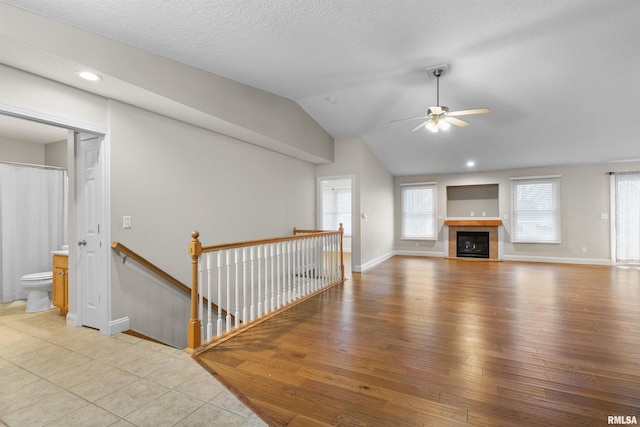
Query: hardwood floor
x=435, y=342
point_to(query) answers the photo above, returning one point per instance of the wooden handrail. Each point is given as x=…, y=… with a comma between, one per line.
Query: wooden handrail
x=299, y=231
x=196, y=250
x=263, y=241
x=157, y=270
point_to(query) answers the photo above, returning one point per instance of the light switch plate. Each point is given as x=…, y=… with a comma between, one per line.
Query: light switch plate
x=126, y=222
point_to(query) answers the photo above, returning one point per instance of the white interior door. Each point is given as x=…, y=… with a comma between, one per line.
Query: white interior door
x=90, y=277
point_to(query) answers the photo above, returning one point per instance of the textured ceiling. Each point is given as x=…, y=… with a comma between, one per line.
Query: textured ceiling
x=560, y=76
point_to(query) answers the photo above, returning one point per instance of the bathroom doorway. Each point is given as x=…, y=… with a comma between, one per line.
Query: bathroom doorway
x=89, y=275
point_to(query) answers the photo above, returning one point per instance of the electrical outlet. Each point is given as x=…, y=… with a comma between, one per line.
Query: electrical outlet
x=584, y=249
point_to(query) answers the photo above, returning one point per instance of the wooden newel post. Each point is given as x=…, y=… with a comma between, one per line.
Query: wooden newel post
x=341, y=229
x=195, y=249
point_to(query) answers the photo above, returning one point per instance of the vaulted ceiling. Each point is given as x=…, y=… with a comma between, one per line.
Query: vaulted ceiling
x=560, y=76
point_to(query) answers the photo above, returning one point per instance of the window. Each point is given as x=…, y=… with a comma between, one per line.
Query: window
x=336, y=204
x=627, y=217
x=418, y=211
x=535, y=211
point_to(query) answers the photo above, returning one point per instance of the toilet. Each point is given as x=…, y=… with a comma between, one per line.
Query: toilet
x=38, y=288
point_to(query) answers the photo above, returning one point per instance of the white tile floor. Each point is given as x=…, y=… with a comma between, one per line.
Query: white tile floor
x=58, y=375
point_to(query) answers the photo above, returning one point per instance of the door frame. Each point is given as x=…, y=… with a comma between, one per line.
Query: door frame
x=74, y=125
x=319, y=205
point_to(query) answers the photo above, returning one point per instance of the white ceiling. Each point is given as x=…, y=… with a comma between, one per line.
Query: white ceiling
x=561, y=77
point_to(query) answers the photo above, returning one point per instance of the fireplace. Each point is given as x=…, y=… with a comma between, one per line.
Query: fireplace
x=472, y=244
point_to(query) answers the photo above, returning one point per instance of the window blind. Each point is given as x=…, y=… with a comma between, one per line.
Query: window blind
x=535, y=213
x=418, y=211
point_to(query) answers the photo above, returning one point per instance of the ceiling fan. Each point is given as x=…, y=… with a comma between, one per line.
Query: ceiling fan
x=439, y=117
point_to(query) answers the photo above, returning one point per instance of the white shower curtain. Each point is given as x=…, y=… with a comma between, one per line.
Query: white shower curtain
x=31, y=223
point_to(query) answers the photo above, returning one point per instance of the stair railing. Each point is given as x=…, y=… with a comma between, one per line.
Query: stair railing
x=257, y=279
x=126, y=253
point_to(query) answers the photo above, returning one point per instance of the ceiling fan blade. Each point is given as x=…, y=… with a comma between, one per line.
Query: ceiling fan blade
x=421, y=125
x=410, y=118
x=456, y=122
x=469, y=112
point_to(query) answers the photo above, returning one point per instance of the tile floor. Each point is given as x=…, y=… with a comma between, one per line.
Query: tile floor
x=57, y=375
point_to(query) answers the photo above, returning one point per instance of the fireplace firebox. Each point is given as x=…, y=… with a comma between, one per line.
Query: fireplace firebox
x=473, y=244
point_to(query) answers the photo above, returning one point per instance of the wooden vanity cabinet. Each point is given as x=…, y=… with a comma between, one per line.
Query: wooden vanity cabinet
x=60, y=284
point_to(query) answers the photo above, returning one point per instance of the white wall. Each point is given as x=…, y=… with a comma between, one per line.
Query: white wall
x=52, y=154
x=21, y=152
x=173, y=178
x=373, y=195
x=55, y=154
x=584, y=197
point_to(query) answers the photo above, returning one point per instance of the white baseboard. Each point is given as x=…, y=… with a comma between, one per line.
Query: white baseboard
x=523, y=258
x=558, y=260
x=117, y=326
x=368, y=265
x=71, y=319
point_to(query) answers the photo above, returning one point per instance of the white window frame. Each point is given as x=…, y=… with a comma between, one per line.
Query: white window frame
x=430, y=212
x=340, y=216
x=527, y=223
x=620, y=223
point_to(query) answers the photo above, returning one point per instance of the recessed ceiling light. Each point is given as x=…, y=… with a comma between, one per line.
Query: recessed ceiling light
x=88, y=75
x=471, y=163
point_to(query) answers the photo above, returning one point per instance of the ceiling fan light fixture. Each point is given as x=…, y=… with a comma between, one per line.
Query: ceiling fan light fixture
x=432, y=126
x=443, y=124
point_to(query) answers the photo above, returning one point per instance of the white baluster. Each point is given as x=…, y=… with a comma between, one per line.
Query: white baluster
x=237, y=286
x=228, y=308
x=219, y=323
x=208, y=296
x=319, y=258
x=321, y=278
x=279, y=282
x=266, y=279
x=252, y=315
x=273, y=284
x=200, y=300
x=312, y=265
x=306, y=265
x=335, y=259
x=258, y=282
x=290, y=272
x=295, y=268
x=300, y=265
x=244, y=285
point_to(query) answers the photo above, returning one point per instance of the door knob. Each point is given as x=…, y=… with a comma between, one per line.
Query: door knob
x=82, y=243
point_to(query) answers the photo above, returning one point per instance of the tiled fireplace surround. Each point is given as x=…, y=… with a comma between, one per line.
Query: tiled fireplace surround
x=474, y=225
